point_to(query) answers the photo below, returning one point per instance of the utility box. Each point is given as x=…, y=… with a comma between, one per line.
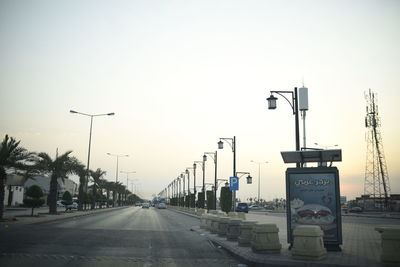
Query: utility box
x=303, y=98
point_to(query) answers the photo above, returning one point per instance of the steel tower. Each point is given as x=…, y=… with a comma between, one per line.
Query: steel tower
x=376, y=183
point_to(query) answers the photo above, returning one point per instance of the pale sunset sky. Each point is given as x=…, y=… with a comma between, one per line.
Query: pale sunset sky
x=181, y=74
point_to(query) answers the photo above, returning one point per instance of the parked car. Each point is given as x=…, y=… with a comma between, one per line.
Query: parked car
x=138, y=203
x=59, y=204
x=255, y=207
x=355, y=209
x=242, y=207
x=161, y=206
x=73, y=206
x=145, y=205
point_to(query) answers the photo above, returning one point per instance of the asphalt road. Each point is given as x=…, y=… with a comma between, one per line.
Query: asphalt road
x=126, y=237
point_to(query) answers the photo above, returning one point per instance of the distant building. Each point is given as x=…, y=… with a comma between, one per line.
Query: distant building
x=369, y=203
x=343, y=200
x=16, y=186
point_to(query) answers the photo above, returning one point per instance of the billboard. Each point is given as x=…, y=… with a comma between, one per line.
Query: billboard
x=313, y=198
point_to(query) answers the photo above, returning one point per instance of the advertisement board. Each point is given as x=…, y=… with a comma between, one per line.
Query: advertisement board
x=313, y=198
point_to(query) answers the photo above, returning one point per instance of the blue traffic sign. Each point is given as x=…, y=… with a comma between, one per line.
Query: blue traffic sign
x=234, y=183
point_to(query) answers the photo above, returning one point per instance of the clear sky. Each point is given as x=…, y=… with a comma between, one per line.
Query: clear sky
x=181, y=74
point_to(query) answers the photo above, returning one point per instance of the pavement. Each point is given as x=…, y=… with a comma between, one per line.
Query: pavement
x=19, y=216
x=361, y=242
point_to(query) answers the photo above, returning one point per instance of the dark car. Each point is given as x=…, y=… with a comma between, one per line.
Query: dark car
x=355, y=209
x=242, y=207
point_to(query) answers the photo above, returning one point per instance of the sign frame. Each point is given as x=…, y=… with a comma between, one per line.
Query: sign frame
x=322, y=181
x=234, y=186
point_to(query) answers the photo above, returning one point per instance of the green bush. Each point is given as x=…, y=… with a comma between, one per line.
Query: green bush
x=66, y=198
x=34, y=197
x=200, y=201
x=226, y=199
x=210, y=200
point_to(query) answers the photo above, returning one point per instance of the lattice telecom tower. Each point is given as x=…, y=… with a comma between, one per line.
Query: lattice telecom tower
x=376, y=183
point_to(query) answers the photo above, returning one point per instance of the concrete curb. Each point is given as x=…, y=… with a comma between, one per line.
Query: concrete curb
x=54, y=218
x=246, y=255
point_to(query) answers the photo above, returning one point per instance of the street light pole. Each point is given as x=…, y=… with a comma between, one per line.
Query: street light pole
x=295, y=108
x=90, y=142
x=259, y=164
x=214, y=157
x=127, y=176
x=117, y=156
x=233, y=146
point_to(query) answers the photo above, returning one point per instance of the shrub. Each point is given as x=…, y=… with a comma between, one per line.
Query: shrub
x=34, y=197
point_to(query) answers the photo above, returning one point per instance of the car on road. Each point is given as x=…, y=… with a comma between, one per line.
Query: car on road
x=137, y=204
x=145, y=205
x=355, y=209
x=161, y=205
x=242, y=207
x=255, y=207
x=59, y=204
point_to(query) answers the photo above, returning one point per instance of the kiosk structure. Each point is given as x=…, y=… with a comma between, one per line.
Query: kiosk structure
x=313, y=195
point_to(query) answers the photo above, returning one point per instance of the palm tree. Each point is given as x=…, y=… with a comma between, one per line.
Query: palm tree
x=108, y=187
x=11, y=156
x=103, y=184
x=60, y=167
x=81, y=171
x=96, y=176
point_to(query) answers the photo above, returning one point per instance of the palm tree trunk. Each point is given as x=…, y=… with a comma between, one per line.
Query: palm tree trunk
x=53, y=195
x=108, y=197
x=2, y=179
x=94, y=198
x=81, y=195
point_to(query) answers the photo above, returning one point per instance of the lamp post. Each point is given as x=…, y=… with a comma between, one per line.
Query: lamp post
x=127, y=176
x=295, y=108
x=117, y=156
x=213, y=155
x=90, y=141
x=259, y=164
x=232, y=143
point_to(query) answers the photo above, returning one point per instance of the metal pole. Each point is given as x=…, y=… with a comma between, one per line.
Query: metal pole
x=234, y=171
x=259, y=164
x=116, y=174
x=296, y=107
x=194, y=183
x=88, y=161
x=215, y=181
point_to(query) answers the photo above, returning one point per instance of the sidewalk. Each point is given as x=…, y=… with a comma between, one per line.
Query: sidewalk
x=43, y=217
x=361, y=245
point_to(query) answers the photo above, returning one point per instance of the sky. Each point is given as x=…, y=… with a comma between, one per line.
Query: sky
x=179, y=75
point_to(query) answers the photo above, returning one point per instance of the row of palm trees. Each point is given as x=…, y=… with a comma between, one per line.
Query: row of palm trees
x=23, y=162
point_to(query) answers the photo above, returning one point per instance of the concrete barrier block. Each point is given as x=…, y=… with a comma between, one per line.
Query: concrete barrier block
x=223, y=226
x=308, y=243
x=390, y=243
x=233, y=230
x=214, y=224
x=245, y=236
x=265, y=239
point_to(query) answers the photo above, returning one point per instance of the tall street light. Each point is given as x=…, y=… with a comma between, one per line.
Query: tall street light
x=90, y=141
x=127, y=177
x=117, y=156
x=295, y=108
x=213, y=155
x=232, y=143
x=259, y=164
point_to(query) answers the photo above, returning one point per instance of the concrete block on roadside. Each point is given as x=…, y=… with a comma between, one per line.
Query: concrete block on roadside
x=390, y=243
x=223, y=226
x=308, y=243
x=233, y=230
x=265, y=239
x=245, y=236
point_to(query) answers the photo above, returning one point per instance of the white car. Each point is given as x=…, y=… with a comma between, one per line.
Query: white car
x=161, y=206
x=255, y=207
x=145, y=205
x=59, y=204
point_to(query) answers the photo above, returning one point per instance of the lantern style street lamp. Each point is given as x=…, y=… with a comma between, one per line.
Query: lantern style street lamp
x=294, y=104
x=213, y=155
x=232, y=143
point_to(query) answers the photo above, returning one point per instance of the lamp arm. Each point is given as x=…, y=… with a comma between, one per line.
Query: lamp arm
x=287, y=92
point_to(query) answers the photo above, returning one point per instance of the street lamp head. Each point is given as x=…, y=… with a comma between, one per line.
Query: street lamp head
x=111, y=114
x=204, y=157
x=226, y=184
x=272, y=102
x=194, y=166
x=249, y=179
x=73, y=111
x=220, y=144
x=187, y=171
